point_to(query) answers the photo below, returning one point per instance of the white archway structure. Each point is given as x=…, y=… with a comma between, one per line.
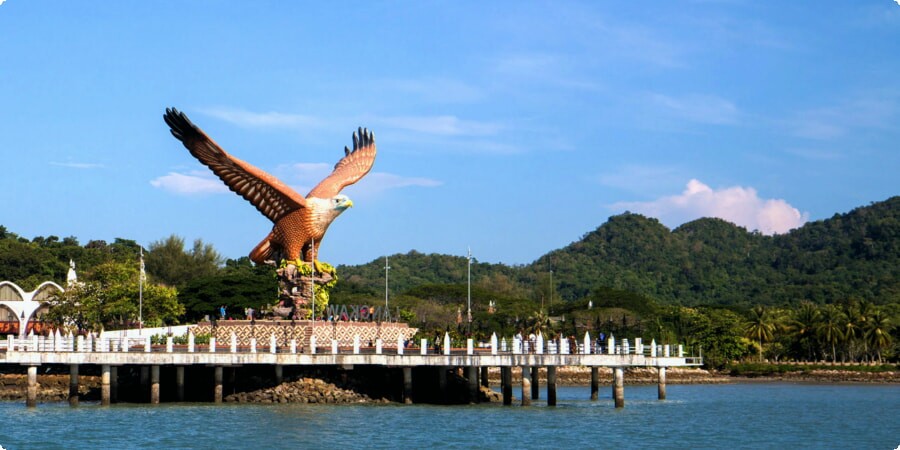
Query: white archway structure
x=21, y=306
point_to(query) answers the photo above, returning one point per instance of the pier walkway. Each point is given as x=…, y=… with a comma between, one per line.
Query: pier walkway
x=110, y=353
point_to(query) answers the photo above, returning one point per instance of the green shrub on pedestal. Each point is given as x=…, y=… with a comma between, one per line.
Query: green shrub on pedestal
x=322, y=290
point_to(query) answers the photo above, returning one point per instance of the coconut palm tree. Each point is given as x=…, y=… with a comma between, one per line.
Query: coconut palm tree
x=802, y=324
x=761, y=327
x=829, y=328
x=878, y=332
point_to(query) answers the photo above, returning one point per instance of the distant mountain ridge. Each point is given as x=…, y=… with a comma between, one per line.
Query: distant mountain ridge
x=707, y=261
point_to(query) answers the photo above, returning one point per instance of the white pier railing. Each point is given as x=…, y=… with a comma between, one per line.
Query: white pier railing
x=497, y=346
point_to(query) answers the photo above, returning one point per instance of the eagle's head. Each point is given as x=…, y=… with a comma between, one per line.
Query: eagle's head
x=341, y=202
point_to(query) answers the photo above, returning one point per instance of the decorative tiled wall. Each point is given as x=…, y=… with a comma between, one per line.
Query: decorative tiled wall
x=284, y=331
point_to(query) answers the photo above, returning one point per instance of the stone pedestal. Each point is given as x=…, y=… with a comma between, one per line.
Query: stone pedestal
x=295, y=291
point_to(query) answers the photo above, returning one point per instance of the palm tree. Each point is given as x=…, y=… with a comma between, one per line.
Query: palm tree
x=878, y=331
x=802, y=324
x=537, y=322
x=829, y=328
x=761, y=327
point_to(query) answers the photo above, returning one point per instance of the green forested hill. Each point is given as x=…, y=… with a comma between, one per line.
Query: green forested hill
x=852, y=256
x=707, y=261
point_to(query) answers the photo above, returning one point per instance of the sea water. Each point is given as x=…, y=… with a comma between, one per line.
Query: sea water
x=733, y=416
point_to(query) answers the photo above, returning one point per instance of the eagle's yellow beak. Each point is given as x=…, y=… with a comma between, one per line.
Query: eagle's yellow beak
x=349, y=203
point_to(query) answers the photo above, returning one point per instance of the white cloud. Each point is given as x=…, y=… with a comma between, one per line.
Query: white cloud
x=263, y=120
x=192, y=183
x=739, y=205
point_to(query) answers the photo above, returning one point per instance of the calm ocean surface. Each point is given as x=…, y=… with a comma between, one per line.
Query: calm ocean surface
x=747, y=415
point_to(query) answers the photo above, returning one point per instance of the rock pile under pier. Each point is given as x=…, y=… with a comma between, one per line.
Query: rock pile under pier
x=303, y=390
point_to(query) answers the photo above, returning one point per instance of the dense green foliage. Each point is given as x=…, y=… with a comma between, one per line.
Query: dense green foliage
x=829, y=290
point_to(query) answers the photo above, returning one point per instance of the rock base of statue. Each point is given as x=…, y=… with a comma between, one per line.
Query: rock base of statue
x=296, y=287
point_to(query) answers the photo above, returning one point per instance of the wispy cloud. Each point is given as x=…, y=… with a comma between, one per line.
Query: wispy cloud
x=272, y=119
x=378, y=182
x=816, y=153
x=441, y=125
x=77, y=165
x=302, y=177
x=739, y=205
x=434, y=90
x=699, y=108
x=832, y=122
x=643, y=178
x=191, y=183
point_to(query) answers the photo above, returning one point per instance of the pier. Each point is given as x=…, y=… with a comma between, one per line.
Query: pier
x=113, y=353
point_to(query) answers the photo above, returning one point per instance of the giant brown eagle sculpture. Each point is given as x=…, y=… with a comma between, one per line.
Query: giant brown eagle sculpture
x=300, y=222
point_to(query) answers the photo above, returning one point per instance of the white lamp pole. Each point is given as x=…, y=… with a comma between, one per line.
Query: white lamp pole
x=141, y=295
x=386, y=268
x=469, y=300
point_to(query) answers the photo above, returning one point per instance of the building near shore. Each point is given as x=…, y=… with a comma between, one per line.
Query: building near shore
x=21, y=311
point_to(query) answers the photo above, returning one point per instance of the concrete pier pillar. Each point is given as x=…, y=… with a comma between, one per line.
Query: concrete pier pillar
x=472, y=375
x=179, y=383
x=484, y=377
x=279, y=373
x=661, y=386
x=442, y=383
x=526, y=386
x=73, y=384
x=407, y=385
x=104, y=385
x=113, y=384
x=31, y=393
x=154, y=384
x=217, y=381
x=535, y=384
x=551, y=385
x=619, y=386
x=145, y=381
x=506, y=384
x=595, y=383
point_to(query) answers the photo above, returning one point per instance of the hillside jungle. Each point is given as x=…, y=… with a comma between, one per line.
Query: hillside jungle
x=828, y=291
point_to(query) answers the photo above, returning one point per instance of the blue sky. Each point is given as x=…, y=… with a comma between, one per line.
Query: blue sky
x=512, y=128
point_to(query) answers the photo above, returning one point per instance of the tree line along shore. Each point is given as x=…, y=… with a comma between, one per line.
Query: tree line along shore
x=827, y=291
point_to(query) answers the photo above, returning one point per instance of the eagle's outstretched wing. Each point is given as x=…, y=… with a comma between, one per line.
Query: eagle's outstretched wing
x=269, y=195
x=354, y=165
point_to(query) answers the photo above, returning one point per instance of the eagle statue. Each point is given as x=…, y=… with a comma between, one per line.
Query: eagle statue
x=300, y=222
